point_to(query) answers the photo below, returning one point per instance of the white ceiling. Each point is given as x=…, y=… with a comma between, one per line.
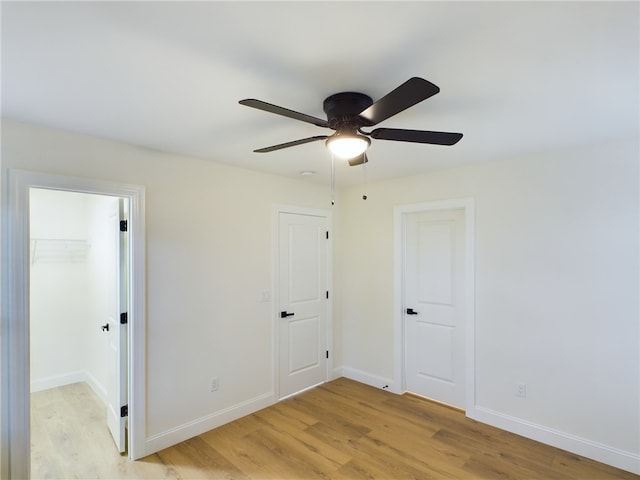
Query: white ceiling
x=515, y=77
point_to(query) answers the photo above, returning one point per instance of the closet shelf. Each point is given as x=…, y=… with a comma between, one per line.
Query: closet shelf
x=55, y=250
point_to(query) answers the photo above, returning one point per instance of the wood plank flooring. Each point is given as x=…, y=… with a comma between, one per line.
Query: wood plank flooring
x=340, y=430
x=70, y=439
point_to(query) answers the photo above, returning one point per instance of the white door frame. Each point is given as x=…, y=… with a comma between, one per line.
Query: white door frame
x=399, y=214
x=275, y=312
x=14, y=374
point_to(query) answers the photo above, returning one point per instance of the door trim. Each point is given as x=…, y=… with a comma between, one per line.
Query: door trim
x=276, y=211
x=399, y=215
x=14, y=373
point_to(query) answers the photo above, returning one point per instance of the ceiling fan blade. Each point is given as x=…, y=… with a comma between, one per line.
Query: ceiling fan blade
x=267, y=107
x=412, y=91
x=291, y=144
x=359, y=160
x=417, y=136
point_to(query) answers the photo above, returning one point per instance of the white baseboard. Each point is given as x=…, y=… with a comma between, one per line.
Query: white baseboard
x=58, y=381
x=367, y=378
x=200, y=425
x=621, y=459
x=55, y=381
x=581, y=446
x=99, y=389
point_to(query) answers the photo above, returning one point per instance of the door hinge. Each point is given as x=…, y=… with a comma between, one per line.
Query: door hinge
x=124, y=318
x=327, y=234
x=124, y=411
x=123, y=225
x=327, y=353
x=327, y=294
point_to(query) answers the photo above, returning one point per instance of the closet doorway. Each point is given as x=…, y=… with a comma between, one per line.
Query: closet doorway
x=78, y=324
x=16, y=319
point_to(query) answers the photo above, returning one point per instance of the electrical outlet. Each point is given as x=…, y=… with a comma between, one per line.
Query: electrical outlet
x=265, y=296
x=521, y=389
x=214, y=384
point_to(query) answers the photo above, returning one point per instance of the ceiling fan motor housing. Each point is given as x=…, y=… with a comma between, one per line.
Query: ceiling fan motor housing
x=343, y=109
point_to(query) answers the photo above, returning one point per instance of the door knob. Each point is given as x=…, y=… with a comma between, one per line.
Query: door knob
x=286, y=314
x=411, y=311
x=105, y=327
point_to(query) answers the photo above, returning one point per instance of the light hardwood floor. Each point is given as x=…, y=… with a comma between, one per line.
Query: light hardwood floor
x=70, y=439
x=340, y=430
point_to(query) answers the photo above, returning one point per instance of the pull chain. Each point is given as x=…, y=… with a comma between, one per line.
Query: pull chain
x=333, y=179
x=364, y=180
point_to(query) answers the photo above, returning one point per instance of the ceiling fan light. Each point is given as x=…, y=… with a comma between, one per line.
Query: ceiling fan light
x=348, y=145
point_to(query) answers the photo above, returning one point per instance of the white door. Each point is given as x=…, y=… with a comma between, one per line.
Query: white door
x=302, y=286
x=117, y=330
x=434, y=305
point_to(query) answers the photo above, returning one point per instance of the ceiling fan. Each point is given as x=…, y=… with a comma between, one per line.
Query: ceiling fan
x=348, y=112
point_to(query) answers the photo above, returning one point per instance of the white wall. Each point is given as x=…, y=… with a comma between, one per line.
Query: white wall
x=556, y=279
x=556, y=290
x=208, y=259
x=68, y=298
x=58, y=289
